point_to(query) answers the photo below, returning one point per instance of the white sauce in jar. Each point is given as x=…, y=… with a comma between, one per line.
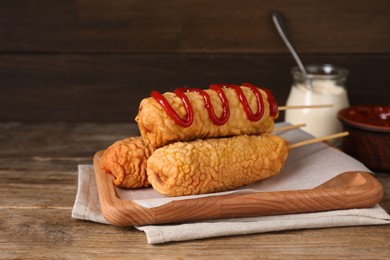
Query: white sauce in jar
x=319, y=121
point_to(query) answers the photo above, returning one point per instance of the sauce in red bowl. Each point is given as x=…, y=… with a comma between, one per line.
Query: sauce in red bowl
x=368, y=117
x=369, y=135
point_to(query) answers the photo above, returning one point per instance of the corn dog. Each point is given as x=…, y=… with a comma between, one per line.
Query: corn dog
x=122, y=160
x=191, y=113
x=206, y=166
x=126, y=161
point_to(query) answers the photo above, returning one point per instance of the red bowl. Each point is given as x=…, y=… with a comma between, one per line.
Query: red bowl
x=369, y=135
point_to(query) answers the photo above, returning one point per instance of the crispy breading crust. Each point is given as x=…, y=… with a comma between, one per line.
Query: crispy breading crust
x=126, y=161
x=159, y=129
x=206, y=166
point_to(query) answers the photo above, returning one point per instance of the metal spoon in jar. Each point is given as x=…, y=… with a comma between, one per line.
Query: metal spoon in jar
x=278, y=20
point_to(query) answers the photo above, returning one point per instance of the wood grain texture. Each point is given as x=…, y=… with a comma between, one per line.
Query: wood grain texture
x=93, y=61
x=202, y=26
x=50, y=233
x=46, y=232
x=108, y=88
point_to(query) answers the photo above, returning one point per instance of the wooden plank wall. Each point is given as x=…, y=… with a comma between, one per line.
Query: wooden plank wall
x=83, y=60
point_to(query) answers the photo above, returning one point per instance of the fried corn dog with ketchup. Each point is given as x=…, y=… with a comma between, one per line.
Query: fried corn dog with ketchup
x=214, y=165
x=126, y=160
x=191, y=113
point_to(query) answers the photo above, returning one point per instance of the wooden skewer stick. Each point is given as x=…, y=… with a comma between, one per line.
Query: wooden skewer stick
x=289, y=127
x=304, y=106
x=319, y=139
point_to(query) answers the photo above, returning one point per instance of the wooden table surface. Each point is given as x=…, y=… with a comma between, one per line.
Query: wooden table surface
x=38, y=172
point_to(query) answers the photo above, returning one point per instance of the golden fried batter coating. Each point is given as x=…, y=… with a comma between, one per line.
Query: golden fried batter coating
x=126, y=161
x=206, y=166
x=159, y=129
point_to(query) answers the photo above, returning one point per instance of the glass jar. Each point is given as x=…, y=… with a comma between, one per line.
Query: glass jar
x=323, y=84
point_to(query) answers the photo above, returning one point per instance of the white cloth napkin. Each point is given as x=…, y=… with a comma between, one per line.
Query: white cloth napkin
x=306, y=168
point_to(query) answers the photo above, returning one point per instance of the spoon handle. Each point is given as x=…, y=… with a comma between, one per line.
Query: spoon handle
x=278, y=20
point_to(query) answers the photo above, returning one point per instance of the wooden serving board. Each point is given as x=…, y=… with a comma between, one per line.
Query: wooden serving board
x=347, y=190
